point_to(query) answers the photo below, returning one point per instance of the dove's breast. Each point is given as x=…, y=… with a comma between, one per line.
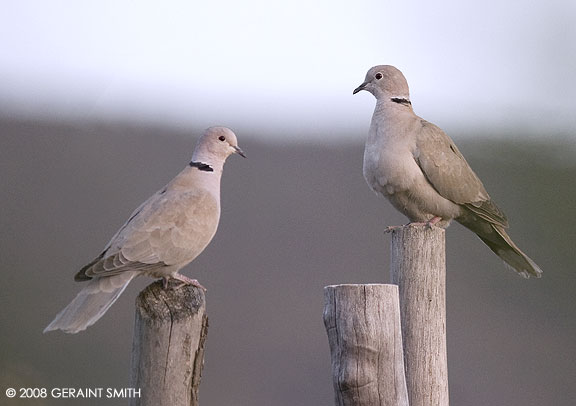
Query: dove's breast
x=389, y=165
x=391, y=170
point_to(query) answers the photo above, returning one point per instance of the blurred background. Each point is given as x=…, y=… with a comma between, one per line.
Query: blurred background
x=101, y=104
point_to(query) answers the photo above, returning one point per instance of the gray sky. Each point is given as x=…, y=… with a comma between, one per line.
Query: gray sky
x=290, y=65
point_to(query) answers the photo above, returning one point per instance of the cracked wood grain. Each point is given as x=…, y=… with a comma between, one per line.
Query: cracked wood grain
x=168, y=345
x=364, y=333
x=418, y=267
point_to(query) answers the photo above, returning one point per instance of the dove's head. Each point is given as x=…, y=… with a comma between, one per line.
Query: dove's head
x=385, y=81
x=215, y=145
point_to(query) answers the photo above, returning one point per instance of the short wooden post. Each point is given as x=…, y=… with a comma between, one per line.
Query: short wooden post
x=363, y=326
x=168, y=345
x=418, y=267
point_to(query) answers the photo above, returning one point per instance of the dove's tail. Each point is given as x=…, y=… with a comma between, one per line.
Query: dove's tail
x=495, y=237
x=91, y=303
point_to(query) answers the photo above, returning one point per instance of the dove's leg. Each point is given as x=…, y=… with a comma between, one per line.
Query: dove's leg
x=432, y=222
x=184, y=279
x=389, y=229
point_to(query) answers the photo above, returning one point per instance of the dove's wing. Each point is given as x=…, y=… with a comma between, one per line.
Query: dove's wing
x=449, y=173
x=170, y=228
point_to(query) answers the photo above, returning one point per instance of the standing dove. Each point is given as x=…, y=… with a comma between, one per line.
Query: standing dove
x=161, y=236
x=418, y=168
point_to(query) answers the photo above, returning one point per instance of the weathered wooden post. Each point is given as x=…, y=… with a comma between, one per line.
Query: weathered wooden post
x=418, y=267
x=363, y=326
x=168, y=345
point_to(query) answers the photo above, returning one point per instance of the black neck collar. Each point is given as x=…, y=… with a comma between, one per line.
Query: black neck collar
x=401, y=100
x=201, y=166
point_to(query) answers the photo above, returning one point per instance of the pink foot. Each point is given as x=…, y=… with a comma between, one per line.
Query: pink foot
x=432, y=222
x=389, y=229
x=185, y=281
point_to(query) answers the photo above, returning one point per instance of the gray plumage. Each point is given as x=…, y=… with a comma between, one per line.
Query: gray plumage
x=420, y=170
x=161, y=236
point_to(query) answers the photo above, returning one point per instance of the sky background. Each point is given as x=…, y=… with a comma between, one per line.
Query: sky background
x=280, y=68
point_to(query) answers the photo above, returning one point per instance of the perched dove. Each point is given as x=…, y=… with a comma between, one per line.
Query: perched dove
x=418, y=168
x=161, y=236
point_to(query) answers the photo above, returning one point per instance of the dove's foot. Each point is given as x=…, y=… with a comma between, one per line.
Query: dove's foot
x=389, y=229
x=184, y=279
x=432, y=222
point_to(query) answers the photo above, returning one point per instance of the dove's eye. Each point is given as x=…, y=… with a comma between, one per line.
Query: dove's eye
x=222, y=138
x=378, y=76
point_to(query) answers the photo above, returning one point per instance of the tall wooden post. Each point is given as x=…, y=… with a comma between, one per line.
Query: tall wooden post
x=418, y=267
x=168, y=345
x=363, y=326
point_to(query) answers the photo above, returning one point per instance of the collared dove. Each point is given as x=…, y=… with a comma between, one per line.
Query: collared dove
x=161, y=236
x=418, y=168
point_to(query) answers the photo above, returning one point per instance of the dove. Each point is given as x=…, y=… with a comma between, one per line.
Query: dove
x=419, y=169
x=164, y=234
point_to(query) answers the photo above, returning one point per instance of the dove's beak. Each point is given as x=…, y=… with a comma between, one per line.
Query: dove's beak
x=361, y=87
x=239, y=152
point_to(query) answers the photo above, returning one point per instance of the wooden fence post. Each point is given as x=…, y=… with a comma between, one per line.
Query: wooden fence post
x=363, y=326
x=168, y=345
x=418, y=267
